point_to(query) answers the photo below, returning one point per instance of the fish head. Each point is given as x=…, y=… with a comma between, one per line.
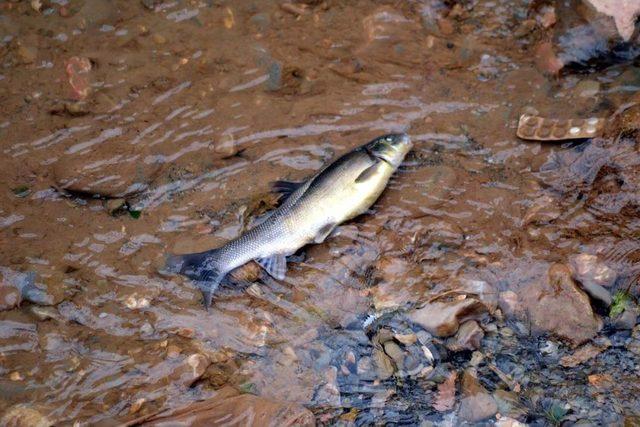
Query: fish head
x=391, y=148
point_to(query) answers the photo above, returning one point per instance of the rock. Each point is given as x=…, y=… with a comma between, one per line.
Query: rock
x=25, y=54
x=477, y=404
x=486, y=293
x=468, y=337
x=383, y=363
x=190, y=369
x=546, y=59
x=556, y=305
x=623, y=12
x=587, y=88
x=49, y=289
x=394, y=351
x=627, y=319
x=584, y=353
x=543, y=210
x=115, y=205
x=151, y=4
x=509, y=404
x=10, y=296
x=24, y=416
x=509, y=422
x=329, y=393
x=586, y=268
x=77, y=69
x=393, y=290
x=226, y=405
x=95, y=13
x=510, y=304
x=443, y=318
x=593, y=276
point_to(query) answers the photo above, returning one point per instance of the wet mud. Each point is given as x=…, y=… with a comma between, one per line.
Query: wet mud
x=495, y=280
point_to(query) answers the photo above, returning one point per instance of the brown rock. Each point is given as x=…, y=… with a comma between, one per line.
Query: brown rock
x=468, y=337
x=546, y=59
x=24, y=416
x=587, y=269
x=443, y=318
x=9, y=296
x=556, y=305
x=584, y=353
x=477, y=404
x=245, y=409
x=510, y=304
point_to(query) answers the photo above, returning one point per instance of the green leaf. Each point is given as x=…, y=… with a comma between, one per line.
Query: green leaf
x=620, y=301
x=21, y=191
x=555, y=414
x=135, y=214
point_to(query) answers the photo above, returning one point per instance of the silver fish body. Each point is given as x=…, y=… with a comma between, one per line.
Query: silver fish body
x=341, y=191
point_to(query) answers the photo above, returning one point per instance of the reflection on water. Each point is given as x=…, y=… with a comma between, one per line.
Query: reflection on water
x=191, y=109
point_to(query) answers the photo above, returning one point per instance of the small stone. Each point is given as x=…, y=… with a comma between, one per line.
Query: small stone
x=383, y=363
x=26, y=54
x=24, y=416
x=16, y=376
x=543, y=210
x=627, y=319
x=364, y=365
x=468, y=337
x=546, y=59
x=547, y=17
x=394, y=351
x=48, y=290
x=445, y=26
x=225, y=146
x=477, y=404
x=587, y=88
x=76, y=108
x=114, y=205
x=10, y=296
x=159, y=38
x=173, y=351
x=443, y=319
x=198, y=364
x=137, y=405
x=510, y=304
x=151, y=4
x=476, y=358
x=406, y=339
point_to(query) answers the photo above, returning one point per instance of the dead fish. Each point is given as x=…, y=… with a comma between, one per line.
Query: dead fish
x=311, y=210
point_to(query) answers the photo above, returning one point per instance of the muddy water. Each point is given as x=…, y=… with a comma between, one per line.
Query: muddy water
x=186, y=110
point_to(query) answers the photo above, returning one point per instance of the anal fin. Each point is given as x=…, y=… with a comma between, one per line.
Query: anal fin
x=275, y=265
x=324, y=232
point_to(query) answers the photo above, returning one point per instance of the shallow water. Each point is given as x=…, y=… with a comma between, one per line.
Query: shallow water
x=194, y=107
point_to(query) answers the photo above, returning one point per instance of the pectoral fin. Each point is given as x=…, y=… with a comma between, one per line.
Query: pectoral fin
x=275, y=265
x=285, y=189
x=367, y=173
x=324, y=232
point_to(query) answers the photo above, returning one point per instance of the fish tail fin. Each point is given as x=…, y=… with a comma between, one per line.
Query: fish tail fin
x=202, y=267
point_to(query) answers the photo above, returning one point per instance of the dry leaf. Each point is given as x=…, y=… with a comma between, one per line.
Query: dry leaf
x=446, y=394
